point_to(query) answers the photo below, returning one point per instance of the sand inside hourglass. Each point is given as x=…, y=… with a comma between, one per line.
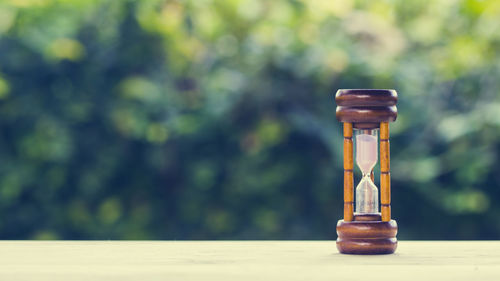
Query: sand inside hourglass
x=366, y=152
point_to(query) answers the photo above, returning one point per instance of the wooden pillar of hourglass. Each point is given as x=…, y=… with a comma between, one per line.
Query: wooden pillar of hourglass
x=366, y=233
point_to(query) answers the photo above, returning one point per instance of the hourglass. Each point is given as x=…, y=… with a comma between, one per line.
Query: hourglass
x=365, y=230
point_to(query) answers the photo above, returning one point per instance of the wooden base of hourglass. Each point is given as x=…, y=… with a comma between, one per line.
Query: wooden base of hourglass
x=367, y=234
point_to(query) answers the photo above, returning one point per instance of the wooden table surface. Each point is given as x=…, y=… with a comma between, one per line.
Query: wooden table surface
x=244, y=260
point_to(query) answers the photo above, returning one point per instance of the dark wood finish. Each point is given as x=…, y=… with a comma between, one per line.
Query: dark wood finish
x=367, y=229
x=367, y=237
x=368, y=246
x=348, y=173
x=366, y=115
x=385, y=176
x=370, y=126
x=366, y=97
x=366, y=108
x=367, y=217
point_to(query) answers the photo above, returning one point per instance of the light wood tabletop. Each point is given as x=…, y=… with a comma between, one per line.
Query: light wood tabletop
x=244, y=260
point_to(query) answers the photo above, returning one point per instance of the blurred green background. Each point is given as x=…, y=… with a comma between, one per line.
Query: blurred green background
x=215, y=119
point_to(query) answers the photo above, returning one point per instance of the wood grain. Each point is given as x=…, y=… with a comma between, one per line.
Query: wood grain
x=367, y=246
x=367, y=235
x=366, y=114
x=366, y=108
x=367, y=217
x=243, y=261
x=386, y=211
x=385, y=176
x=366, y=97
x=348, y=173
x=385, y=194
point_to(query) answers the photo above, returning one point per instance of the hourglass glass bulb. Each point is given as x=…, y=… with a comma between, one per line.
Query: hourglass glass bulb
x=366, y=152
x=366, y=158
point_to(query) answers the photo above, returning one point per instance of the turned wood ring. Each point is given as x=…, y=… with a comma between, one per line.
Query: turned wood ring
x=366, y=108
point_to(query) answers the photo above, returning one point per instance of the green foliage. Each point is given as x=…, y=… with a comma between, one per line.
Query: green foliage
x=215, y=119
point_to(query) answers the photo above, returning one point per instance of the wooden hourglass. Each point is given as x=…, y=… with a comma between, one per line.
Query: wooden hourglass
x=365, y=230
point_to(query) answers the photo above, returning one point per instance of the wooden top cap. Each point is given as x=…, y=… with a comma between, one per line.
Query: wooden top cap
x=366, y=108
